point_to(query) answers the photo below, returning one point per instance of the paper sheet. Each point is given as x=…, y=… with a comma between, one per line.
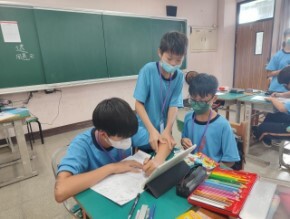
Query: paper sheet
x=258, y=98
x=10, y=31
x=122, y=188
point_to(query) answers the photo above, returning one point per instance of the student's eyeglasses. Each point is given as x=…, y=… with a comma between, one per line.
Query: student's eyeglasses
x=201, y=102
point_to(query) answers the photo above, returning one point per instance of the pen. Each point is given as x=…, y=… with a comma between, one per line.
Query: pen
x=152, y=155
x=134, y=206
x=152, y=212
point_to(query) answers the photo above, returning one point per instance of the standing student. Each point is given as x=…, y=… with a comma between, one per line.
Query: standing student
x=97, y=153
x=280, y=60
x=276, y=123
x=158, y=95
x=204, y=127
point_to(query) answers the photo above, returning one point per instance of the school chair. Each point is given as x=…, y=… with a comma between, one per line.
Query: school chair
x=29, y=120
x=70, y=204
x=285, y=141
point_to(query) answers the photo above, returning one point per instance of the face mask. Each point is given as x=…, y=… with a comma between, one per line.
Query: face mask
x=123, y=144
x=200, y=108
x=169, y=68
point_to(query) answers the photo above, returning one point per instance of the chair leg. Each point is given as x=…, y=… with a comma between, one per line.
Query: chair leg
x=29, y=134
x=40, y=132
x=32, y=135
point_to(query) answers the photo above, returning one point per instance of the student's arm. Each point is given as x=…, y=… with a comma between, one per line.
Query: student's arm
x=285, y=94
x=277, y=104
x=68, y=185
x=167, y=133
x=150, y=165
x=273, y=73
x=154, y=134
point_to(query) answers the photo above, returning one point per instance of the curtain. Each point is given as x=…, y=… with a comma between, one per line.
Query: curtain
x=284, y=21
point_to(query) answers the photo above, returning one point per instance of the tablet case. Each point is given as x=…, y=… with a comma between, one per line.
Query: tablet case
x=167, y=180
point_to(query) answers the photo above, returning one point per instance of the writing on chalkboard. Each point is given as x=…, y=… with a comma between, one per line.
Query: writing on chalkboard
x=22, y=54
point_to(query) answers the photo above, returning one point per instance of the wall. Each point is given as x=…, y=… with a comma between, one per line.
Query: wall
x=77, y=103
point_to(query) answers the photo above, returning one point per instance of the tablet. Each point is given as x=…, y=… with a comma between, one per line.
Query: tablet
x=169, y=163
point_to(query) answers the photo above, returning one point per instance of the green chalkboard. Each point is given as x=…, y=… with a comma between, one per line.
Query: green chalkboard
x=72, y=45
x=20, y=63
x=128, y=44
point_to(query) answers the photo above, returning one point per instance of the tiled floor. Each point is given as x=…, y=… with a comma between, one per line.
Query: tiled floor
x=33, y=198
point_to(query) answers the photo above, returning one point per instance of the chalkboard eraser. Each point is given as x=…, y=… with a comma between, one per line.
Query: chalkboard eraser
x=49, y=91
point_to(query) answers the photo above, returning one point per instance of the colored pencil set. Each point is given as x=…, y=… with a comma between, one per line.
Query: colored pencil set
x=224, y=191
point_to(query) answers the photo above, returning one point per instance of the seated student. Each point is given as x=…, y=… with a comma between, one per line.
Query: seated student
x=276, y=123
x=204, y=127
x=97, y=153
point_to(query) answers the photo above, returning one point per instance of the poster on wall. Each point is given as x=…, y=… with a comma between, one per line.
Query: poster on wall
x=259, y=43
x=10, y=31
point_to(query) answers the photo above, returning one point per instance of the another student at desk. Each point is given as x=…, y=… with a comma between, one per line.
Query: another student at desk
x=204, y=127
x=280, y=60
x=97, y=153
x=276, y=123
x=158, y=95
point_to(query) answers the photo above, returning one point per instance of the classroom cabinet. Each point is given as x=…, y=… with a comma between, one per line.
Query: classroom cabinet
x=203, y=39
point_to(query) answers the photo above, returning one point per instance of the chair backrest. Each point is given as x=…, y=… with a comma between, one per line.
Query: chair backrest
x=240, y=130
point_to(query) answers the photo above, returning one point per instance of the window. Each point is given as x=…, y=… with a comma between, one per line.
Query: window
x=256, y=10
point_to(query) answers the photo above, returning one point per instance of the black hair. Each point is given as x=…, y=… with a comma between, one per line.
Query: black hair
x=115, y=117
x=284, y=75
x=287, y=32
x=174, y=42
x=202, y=85
x=189, y=76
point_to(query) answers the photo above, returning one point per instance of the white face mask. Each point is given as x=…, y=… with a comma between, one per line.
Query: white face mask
x=123, y=144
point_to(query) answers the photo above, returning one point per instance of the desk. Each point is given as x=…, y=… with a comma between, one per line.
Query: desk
x=169, y=205
x=250, y=105
x=17, y=121
x=231, y=99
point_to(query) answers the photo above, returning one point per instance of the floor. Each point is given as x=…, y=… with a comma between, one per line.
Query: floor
x=33, y=198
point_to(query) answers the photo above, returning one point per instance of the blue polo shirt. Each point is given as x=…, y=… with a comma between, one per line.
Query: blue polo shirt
x=85, y=154
x=220, y=143
x=279, y=61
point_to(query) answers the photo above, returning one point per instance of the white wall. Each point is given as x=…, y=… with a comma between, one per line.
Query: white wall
x=77, y=103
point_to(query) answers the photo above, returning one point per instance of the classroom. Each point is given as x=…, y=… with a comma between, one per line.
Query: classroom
x=61, y=59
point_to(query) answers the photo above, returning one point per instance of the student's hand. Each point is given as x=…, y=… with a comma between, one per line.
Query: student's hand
x=150, y=165
x=186, y=143
x=270, y=99
x=276, y=94
x=127, y=166
x=154, y=139
x=169, y=138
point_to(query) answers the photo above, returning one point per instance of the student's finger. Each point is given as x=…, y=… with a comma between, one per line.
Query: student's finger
x=146, y=161
x=150, y=169
x=136, y=164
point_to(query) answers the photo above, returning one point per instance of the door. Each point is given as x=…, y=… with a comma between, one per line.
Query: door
x=253, y=49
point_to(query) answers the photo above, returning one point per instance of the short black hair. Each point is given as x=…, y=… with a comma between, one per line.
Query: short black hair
x=174, y=42
x=189, y=76
x=287, y=32
x=202, y=85
x=284, y=75
x=115, y=117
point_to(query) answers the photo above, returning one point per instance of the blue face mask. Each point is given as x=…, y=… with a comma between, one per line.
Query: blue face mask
x=169, y=68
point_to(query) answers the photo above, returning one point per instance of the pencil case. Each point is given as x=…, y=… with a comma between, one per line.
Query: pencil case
x=186, y=186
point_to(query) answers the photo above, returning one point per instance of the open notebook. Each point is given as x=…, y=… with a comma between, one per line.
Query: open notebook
x=122, y=188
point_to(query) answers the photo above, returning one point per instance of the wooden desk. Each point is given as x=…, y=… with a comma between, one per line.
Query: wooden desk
x=18, y=121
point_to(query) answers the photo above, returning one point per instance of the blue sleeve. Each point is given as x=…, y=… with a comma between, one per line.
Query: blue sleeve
x=229, y=145
x=287, y=106
x=177, y=97
x=187, y=119
x=75, y=160
x=142, y=86
x=273, y=65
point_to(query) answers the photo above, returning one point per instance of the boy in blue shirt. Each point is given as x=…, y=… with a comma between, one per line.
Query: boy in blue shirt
x=97, y=153
x=204, y=127
x=280, y=60
x=158, y=95
x=276, y=123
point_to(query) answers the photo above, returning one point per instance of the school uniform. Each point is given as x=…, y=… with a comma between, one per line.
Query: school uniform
x=216, y=140
x=157, y=94
x=273, y=124
x=279, y=61
x=85, y=154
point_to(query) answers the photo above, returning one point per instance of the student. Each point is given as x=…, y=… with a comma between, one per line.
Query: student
x=158, y=95
x=97, y=153
x=276, y=123
x=280, y=60
x=204, y=127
